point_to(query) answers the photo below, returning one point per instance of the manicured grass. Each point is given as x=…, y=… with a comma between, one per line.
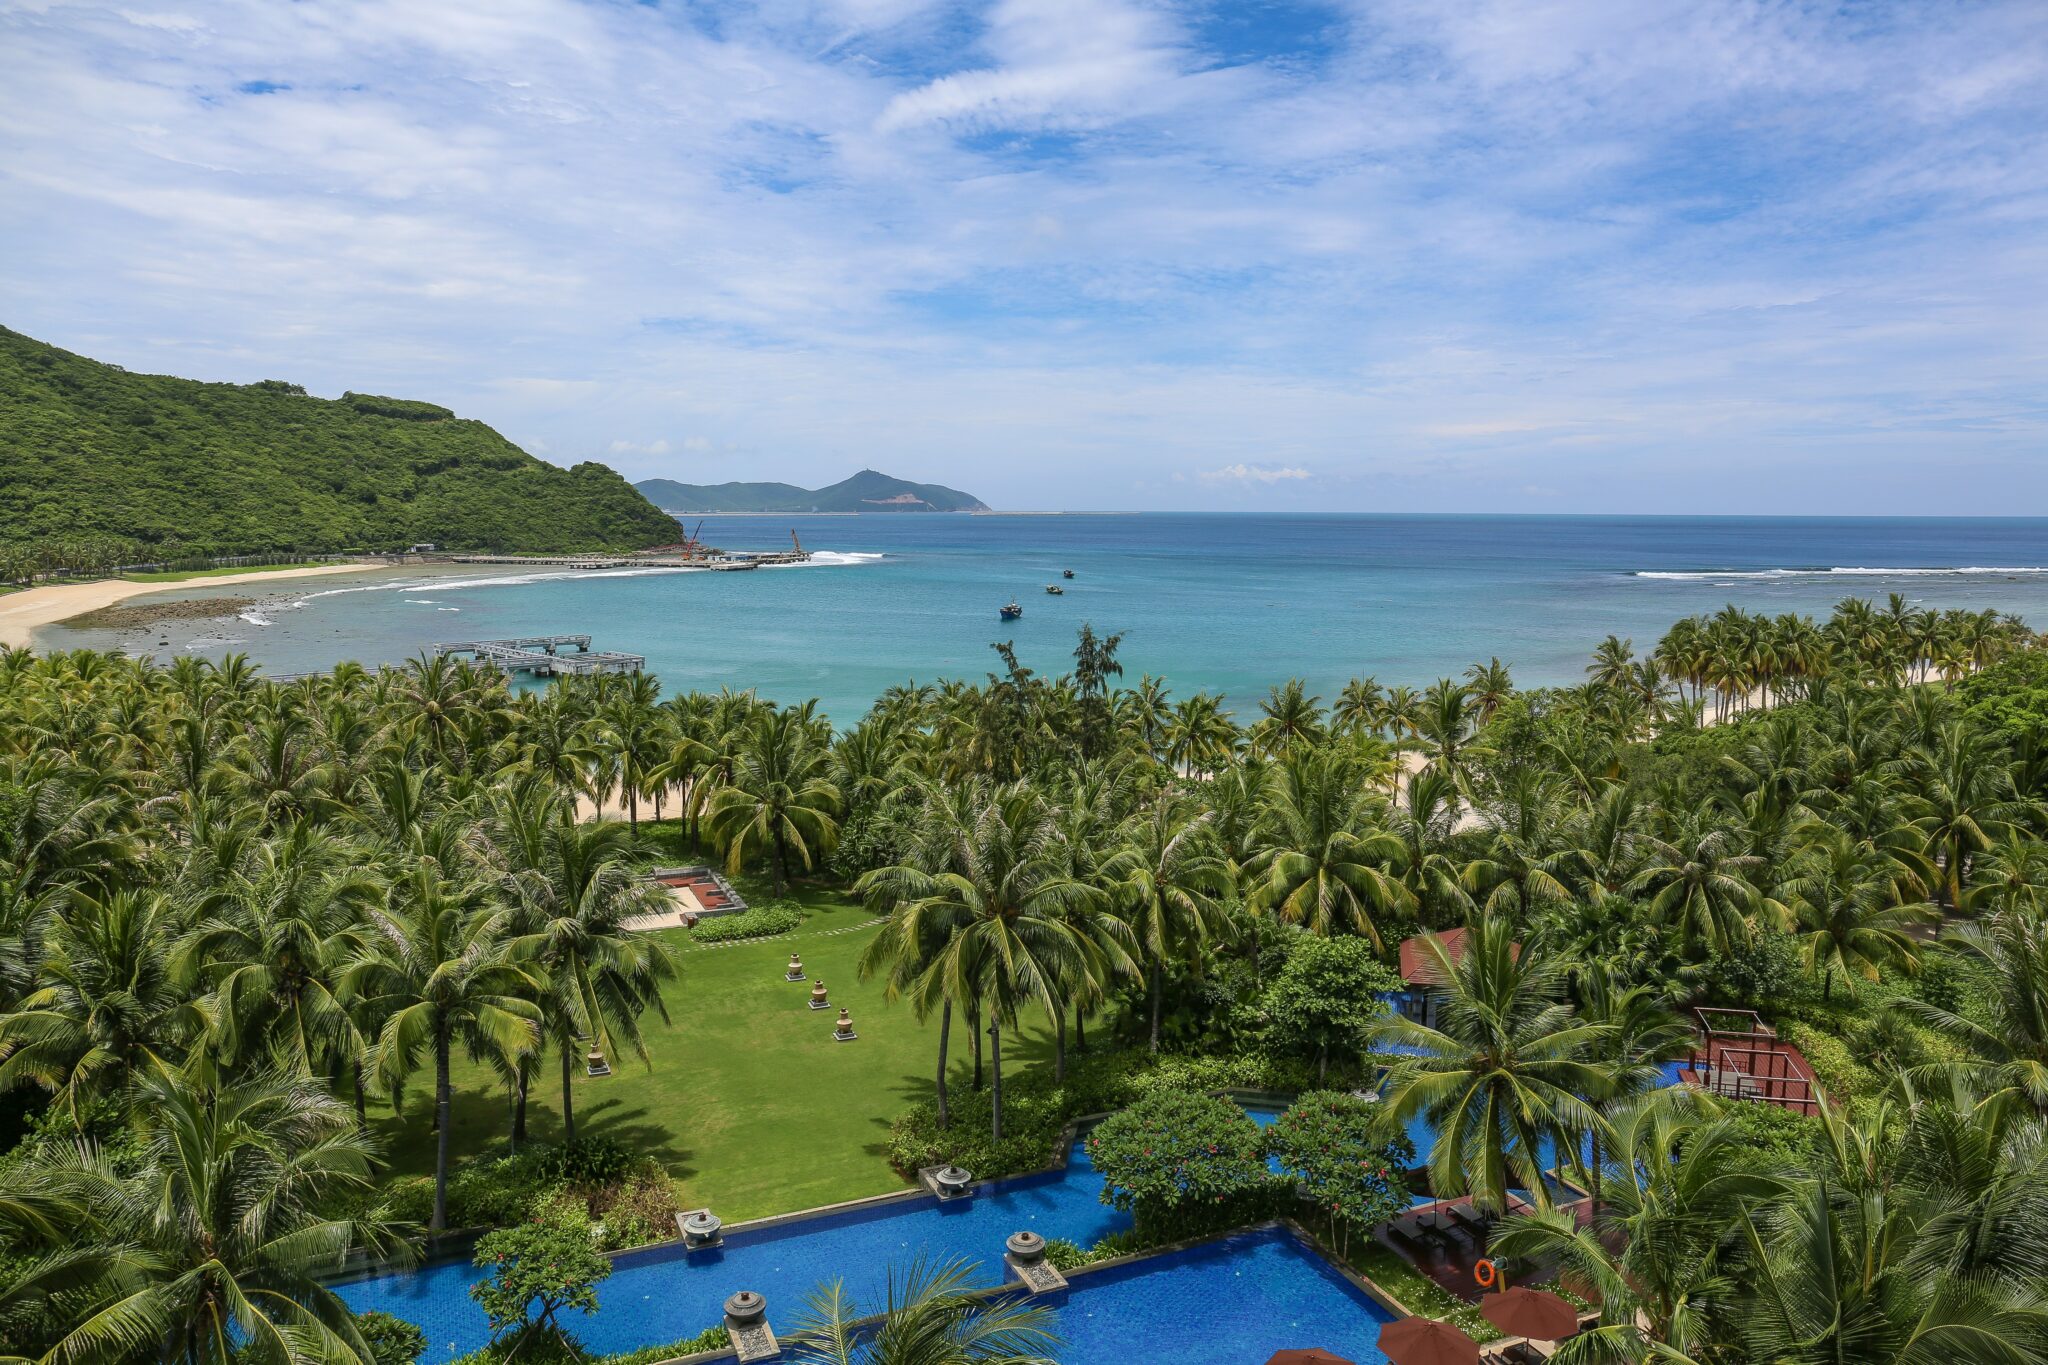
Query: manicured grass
x=750, y=1104
x=181, y=575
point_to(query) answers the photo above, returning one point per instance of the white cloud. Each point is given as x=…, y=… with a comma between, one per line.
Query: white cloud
x=1252, y=473
x=1447, y=253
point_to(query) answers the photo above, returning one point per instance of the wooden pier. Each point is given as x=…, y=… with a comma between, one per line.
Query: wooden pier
x=538, y=655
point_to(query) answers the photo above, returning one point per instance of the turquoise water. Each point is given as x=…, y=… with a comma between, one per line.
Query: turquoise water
x=665, y=1294
x=1227, y=603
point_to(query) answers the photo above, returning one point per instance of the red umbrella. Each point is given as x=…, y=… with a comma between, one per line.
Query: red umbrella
x=1534, y=1313
x=1310, y=1356
x=1425, y=1341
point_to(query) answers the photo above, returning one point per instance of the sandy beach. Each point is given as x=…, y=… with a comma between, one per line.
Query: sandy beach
x=22, y=612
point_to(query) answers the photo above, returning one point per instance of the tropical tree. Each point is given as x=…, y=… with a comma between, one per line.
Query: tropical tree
x=1324, y=861
x=1167, y=880
x=928, y=1315
x=1507, y=1076
x=439, y=967
x=779, y=798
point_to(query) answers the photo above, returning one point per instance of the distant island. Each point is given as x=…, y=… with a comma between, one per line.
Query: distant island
x=867, y=491
x=88, y=450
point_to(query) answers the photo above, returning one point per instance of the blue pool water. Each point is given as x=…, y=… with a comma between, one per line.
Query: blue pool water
x=664, y=1294
x=1232, y=1302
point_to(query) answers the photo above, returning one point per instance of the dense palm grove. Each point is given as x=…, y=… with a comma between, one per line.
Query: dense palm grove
x=237, y=915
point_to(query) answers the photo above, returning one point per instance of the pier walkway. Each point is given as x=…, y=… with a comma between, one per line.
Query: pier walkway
x=537, y=655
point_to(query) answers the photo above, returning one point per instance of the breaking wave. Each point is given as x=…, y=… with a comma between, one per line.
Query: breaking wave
x=1970, y=571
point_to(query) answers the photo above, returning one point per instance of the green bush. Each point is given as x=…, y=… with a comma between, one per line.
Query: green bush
x=1036, y=1110
x=392, y=1340
x=1843, y=1077
x=1181, y=1163
x=1770, y=1139
x=762, y=921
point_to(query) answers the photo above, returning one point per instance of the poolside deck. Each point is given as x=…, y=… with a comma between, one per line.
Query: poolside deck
x=1740, y=1057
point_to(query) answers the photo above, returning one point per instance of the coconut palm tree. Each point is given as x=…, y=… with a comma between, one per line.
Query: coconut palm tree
x=439, y=969
x=573, y=890
x=630, y=738
x=1698, y=884
x=779, y=798
x=1509, y=1076
x=1964, y=801
x=1167, y=880
x=108, y=1005
x=1289, y=718
x=213, y=1245
x=1657, y=1251
x=1324, y=860
x=1843, y=893
x=929, y=1315
x=997, y=912
x=2008, y=1042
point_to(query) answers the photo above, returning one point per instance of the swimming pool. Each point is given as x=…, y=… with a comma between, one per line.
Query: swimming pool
x=665, y=1293
x=1231, y=1302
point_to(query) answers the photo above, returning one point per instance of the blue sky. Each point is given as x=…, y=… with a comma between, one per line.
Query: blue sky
x=1502, y=255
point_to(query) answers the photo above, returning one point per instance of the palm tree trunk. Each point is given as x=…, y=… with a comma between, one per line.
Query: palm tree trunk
x=518, y=1106
x=945, y=1032
x=1059, y=1047
x=974, y=1027
x=780, y=871
x=995, y=1039
x=440, y=1219
x=1080, y=1027
x=632, y=806
x=362, y=1109
x=1158, y=993
x=568, y=1101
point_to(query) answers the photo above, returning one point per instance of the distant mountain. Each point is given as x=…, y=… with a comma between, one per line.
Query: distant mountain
x=90, y=449
x=866, y=491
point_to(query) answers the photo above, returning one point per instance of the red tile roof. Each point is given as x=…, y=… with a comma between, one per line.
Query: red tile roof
x=1418, y=965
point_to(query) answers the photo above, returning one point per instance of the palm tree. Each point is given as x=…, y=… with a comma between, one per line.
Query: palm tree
x=1447, y=723
x=1168, y=880
x=998, y=913
x=1656, y=1253
x=629, y=736
x=439, y=968
x=2012, y=876
x=1506, y=1076
x=1842, y=891
x=1289, y=718
x=1964, y=800
x=218, y=1241
x=1425, y=821
x=928, y=1316
x=1699, y=885
x=2009, y=1042
x=1613, y=664
x=778, y=798
x=1200, y=738
x=1324, y=861
x=1489, y=685
x=574, y=891
x=108, y=1006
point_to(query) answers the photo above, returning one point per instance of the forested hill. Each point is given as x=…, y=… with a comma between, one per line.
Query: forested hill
x=90, y=449
x=867, y=491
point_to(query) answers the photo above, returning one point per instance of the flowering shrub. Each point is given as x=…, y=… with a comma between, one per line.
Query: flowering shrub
x=1348, y=1172
x=538, y=1268
x=1181, y=1163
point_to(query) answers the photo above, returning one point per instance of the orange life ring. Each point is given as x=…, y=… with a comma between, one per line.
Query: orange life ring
x=1483, y=1271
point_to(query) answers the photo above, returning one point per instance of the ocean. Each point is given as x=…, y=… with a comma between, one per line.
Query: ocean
x=1230, y=603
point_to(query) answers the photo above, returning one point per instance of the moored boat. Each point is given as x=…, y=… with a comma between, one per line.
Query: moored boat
x=1011, y=612
x=1066, y=573
x=1055, y=589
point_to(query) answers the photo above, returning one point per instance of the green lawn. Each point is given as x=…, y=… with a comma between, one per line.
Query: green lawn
x=181, y=575
x=750, y=1104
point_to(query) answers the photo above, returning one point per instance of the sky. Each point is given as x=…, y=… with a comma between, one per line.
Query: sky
x=1370, y=255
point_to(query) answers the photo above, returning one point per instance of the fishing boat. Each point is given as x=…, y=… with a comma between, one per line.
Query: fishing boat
x=1055, y=589
x=1011, y=612
x=1066, y=573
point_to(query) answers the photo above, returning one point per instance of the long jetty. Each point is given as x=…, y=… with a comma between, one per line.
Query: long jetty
x=540, y=655
x=739, y=559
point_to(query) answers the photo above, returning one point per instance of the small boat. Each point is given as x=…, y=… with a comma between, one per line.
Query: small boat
x=1055, y=589
x=1066, y=573
x=1011, y=612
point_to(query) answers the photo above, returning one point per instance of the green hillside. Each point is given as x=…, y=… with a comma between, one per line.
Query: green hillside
x=866, y=491
x=90, y=449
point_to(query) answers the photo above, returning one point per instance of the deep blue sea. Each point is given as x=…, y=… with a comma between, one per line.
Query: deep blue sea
x=1224, y=602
